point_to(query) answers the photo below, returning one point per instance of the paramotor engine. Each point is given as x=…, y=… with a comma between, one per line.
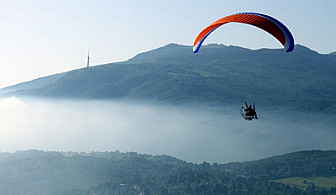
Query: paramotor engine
x=248, y=112
x=244, y=114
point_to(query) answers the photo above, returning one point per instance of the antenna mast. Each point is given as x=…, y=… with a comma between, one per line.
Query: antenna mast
x=88, y=58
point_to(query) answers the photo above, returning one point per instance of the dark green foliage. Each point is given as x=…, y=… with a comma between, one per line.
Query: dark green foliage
x=299, y=164
x=300, y=80
x=37, y=172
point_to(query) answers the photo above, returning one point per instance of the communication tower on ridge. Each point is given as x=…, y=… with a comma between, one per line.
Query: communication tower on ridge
x=88, y=59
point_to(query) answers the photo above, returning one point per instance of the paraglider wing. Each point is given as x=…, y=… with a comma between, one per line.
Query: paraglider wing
x=262, y=21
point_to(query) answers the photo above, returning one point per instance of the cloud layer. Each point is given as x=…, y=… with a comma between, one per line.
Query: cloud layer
x=188, y=133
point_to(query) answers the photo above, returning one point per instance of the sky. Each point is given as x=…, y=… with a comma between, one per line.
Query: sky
x=40, y=37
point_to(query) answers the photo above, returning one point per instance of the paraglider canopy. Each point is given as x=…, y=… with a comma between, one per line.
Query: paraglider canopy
x=262, y=21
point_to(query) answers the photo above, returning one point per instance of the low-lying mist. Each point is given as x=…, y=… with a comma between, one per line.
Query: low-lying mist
x=188, y=133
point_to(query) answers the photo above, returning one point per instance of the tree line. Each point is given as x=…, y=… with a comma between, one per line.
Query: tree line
x=38, y=172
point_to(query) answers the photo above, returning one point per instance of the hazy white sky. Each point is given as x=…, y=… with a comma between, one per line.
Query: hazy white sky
x=42, y=37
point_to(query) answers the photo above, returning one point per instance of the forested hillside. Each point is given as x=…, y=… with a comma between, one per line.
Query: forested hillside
x=217, y=75
x=37, y=172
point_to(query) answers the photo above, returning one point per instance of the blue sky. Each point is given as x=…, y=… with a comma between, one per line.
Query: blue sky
x=42, y=37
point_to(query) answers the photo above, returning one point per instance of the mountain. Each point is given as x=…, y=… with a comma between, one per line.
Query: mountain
x=36, y=83
x=37, y=172
x=217, y=75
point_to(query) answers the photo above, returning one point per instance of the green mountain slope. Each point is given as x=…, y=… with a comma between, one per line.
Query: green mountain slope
x=302, y=79
x=36, y=83
x=37, y=172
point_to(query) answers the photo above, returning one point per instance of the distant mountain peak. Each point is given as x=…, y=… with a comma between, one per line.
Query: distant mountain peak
x=333, y=53
x=217, y=73
x=303, y=48
x=173, y=50
x=169, y=50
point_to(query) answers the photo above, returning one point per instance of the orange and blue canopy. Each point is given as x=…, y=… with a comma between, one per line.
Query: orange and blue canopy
x=262, y=21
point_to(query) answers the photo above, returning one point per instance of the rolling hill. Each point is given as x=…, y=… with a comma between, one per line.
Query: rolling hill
x=217, y=75
x=38, y=172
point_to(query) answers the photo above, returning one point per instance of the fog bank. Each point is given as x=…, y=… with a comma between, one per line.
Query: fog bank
x=188, y=133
